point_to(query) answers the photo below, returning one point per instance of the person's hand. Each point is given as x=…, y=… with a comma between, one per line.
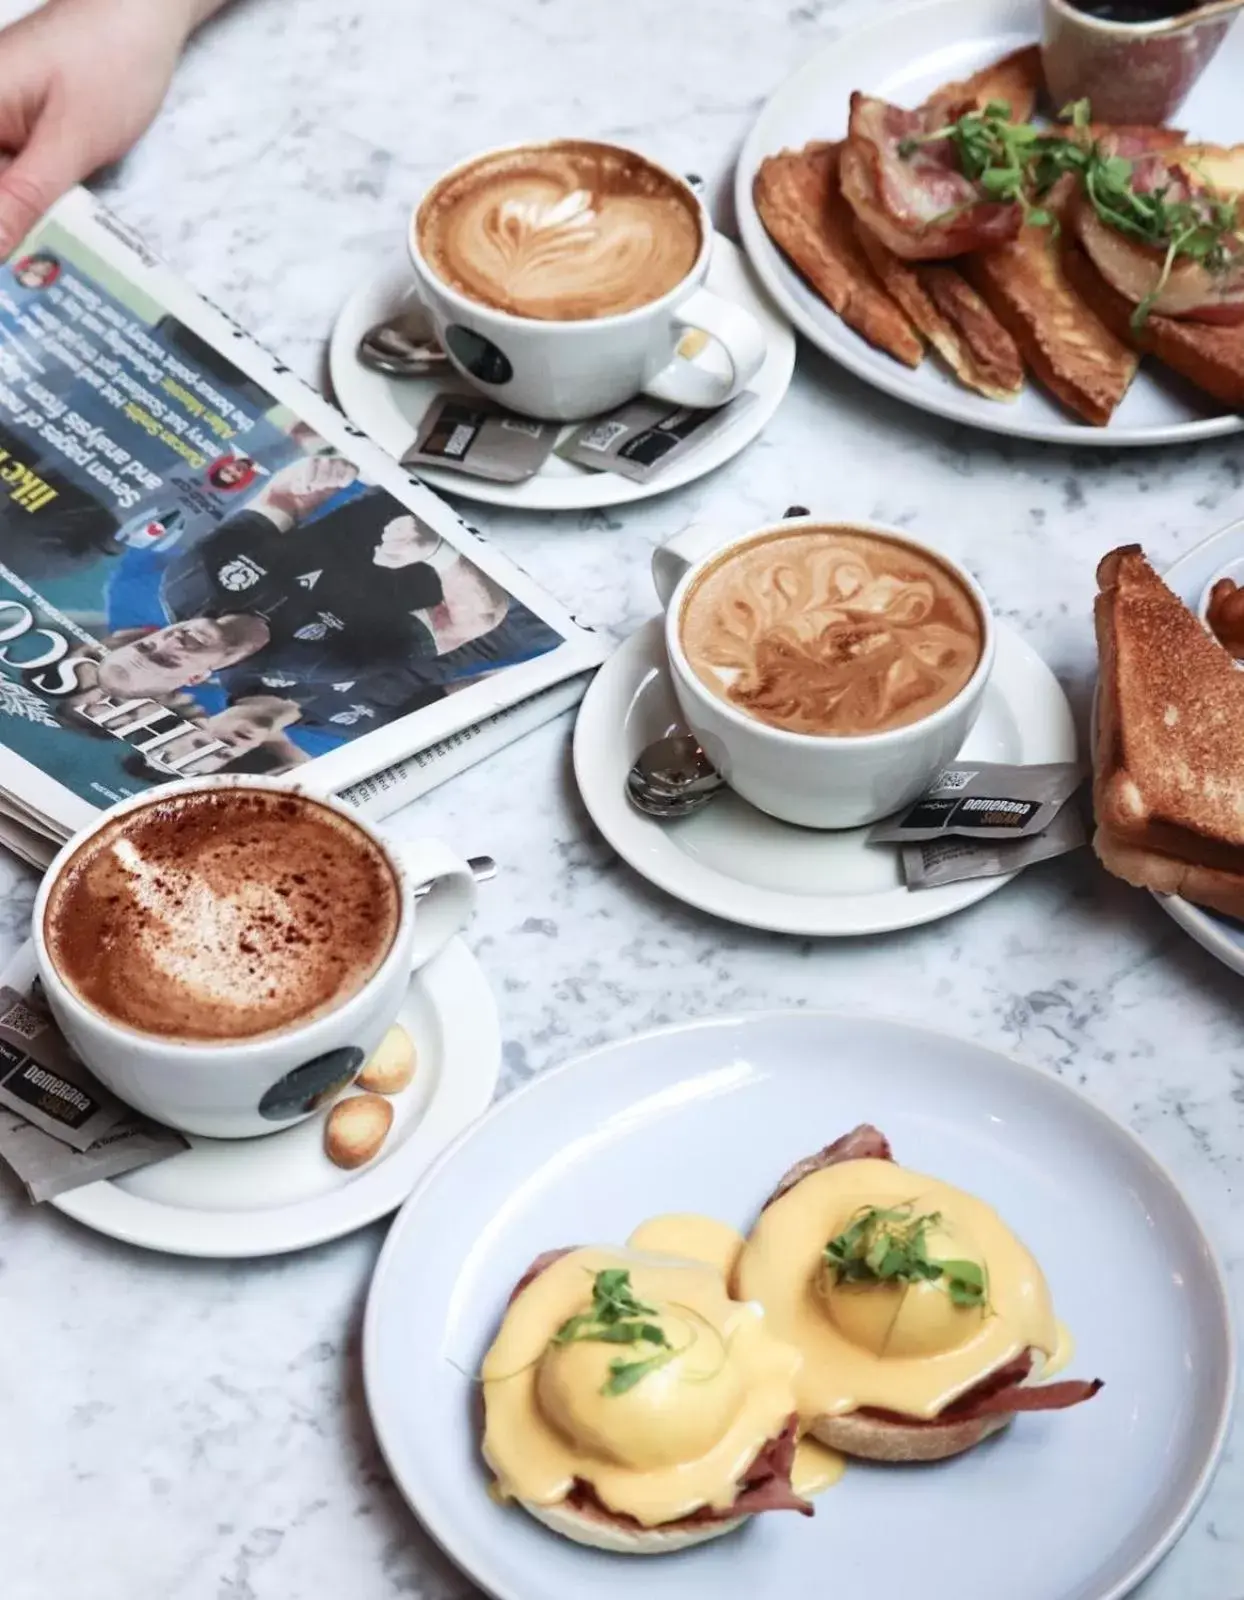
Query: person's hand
x=295, y=492
x=403, y=542
x=80, y=80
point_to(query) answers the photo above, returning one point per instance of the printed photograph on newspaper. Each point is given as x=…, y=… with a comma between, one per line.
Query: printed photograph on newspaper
x=197, y=577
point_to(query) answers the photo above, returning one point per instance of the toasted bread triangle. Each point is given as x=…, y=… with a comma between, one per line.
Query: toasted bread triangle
x=1170, y=749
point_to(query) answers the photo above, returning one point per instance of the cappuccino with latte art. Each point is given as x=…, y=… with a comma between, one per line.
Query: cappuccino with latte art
x=563, y=232
x=832, y=632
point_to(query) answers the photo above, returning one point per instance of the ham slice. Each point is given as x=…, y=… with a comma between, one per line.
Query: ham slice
x=864, y=1143
x=1001, y=1394
x=915, y=198
x=766, y=1486
x=1191, y=293
x=539, y=1265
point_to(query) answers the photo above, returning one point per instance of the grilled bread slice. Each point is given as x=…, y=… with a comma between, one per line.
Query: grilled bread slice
x=945, y=308
x=1016, y=81
x=800, y=202
x=1212, y=358
x=1063, y=341
x=1169, y=773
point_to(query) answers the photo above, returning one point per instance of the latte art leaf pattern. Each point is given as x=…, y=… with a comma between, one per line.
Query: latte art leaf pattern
x=832, y=634
x=561, y=239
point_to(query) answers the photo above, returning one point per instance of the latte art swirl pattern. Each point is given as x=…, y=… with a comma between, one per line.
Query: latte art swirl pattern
x=829, y=632
x=560, y=235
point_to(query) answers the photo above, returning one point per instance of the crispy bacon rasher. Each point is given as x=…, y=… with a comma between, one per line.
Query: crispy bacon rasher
x=919, y=204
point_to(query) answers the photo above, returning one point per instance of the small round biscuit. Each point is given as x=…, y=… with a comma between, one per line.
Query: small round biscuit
x=356, y=1128
x=392, y=1067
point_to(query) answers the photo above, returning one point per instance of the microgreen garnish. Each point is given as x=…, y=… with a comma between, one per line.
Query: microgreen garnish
x=617, y=1317
x=1019, y=163
x=890, y=1246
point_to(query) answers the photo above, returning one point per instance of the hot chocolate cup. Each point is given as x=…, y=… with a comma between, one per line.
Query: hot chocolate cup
x=582, y=366
x=242, y=1088
x=816, y=780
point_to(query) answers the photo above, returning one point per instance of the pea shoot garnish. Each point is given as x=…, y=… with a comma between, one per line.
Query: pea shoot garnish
x=1019, y=163
x=618, y=1317
x=890, y=1246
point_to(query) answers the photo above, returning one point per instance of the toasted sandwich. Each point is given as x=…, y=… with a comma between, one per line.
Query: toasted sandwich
x=1168, y=766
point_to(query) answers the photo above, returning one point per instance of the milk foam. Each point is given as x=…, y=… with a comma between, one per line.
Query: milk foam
x=560, y=232
x=829, y=631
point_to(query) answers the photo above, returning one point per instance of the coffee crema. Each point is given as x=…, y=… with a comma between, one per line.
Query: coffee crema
x=563, y=232
x=831, y=631
x=222, y=915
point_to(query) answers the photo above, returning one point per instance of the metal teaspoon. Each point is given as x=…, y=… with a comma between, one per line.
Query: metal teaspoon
x=672, y=777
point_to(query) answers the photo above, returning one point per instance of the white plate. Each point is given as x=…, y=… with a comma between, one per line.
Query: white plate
x=389, y=409
x=1221, y=555
x=903, y=56
x=1075, y=1505
x=261, y=1197
x=740, y=864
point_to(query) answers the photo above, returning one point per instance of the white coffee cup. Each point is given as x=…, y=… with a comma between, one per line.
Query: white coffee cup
x=566, y=371
x=815, y=780
x=240, y=1089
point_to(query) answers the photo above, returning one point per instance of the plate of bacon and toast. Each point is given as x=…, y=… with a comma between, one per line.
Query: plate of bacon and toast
x=929, y=220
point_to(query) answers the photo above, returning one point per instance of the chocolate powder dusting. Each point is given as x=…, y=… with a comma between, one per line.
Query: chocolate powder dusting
x=222, y=914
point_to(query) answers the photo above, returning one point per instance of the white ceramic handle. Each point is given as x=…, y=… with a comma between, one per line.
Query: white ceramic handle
x=450, y=902
x=684, y=383
x=671, y=559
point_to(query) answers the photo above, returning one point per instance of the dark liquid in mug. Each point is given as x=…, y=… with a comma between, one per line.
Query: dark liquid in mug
x=1136, y=10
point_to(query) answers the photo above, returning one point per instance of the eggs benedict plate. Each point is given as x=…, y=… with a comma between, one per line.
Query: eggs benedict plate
x=630, y=1404
x=924, y=1324
x=484, y=1383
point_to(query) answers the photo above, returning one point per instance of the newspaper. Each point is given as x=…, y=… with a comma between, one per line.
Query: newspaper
x=205, y=568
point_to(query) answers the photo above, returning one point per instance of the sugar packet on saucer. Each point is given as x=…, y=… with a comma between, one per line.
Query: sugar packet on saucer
x=50, y=1103
x=956, y=860
x=645, y=437
x=43, y=1081
x=984, y=800
x=470, y=434
x=47, y=1167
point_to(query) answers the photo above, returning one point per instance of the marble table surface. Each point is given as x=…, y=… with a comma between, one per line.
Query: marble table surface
x=176, y=1430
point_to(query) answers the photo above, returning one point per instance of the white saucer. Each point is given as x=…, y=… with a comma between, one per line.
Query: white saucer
x=389, y=409
x=261, y=1197
x=1069, y=1505
x=747, y=867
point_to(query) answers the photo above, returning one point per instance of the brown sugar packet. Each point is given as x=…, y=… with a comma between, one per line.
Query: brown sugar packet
x=470, y=434
x=645, y=437
x=41, y=1078
x=984, y=800
x=47, y=1167
x=956, y=860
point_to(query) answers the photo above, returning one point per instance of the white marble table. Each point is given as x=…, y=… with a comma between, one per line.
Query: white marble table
x=183, y=1431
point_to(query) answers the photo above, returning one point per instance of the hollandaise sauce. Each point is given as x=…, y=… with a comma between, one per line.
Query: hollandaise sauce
x=910, y=1345
x=692, y=1237
x=816, y=1468
x=660, y=1419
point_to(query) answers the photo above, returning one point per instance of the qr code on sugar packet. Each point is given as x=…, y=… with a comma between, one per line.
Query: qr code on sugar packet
x=21, y=1020
x=951, y=780
x=602, y=435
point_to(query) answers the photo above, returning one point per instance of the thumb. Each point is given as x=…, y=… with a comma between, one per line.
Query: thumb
x=31, y=183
